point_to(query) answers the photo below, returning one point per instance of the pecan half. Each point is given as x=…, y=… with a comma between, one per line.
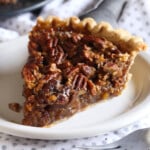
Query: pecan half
x=87, y=70
x=79, y=82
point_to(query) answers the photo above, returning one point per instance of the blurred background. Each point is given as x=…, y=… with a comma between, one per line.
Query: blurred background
x=18, y=18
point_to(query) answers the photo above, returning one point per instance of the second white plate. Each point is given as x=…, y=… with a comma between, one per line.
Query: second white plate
x=103, y=117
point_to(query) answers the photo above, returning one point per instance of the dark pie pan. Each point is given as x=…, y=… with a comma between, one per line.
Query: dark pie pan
x=21, y=6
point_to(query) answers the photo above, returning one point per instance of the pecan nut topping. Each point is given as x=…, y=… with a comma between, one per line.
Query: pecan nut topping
x=73, y=64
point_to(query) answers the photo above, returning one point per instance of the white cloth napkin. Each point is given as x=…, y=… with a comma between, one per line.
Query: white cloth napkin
x=136, y=19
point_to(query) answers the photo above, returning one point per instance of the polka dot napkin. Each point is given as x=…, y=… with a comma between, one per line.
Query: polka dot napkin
x=135, y=19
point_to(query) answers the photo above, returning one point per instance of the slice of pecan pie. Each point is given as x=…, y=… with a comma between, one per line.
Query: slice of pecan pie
x=73, y=64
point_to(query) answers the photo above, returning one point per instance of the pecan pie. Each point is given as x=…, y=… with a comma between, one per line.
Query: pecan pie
x=7, y=1
x=73, y=64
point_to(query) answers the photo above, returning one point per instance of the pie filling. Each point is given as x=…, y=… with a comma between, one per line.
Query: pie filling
x=69, y=70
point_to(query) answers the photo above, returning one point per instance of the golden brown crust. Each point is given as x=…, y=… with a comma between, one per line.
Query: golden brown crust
x=119, y=37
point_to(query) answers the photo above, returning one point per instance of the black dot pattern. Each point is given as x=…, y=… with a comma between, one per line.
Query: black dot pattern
x=14, y=144
x=136, y=18
x=4, y=147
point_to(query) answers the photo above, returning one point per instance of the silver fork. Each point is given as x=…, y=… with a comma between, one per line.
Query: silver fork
x=138, y=140
x=107, y=10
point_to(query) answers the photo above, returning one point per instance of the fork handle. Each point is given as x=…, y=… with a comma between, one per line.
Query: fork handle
x=109, y=11
x=104, y=147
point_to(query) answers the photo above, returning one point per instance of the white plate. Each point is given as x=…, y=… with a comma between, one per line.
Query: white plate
x=110, y=115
